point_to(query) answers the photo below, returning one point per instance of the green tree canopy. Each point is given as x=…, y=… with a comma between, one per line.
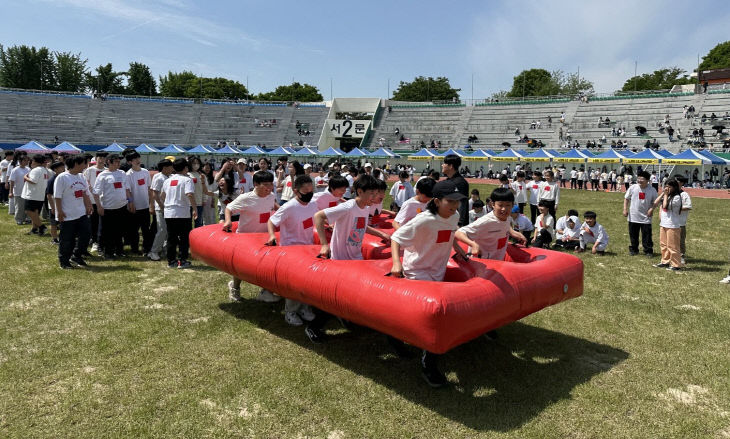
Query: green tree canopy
x=717, y=58
x=660, y=79
x=27, y=67
x=540, y=82
x=106, y=80
x=423, y=89
x=188, y=85
x=293, y=92
x=70, y=69
x=140, y=81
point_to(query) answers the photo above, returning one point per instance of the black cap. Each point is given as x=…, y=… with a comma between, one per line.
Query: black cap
x=447, y=189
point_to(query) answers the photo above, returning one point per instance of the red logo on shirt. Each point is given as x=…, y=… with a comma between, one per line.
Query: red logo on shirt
x=288, y=184
x=173, y=182
x=501, y=242
x=360, y=224
x=117, y=185
x=588, y=231
x=98, y=172
x=140, y=182
x=78, y=194
x=520, y=186
x=307, y=223
x=547, y=188
x=333, y=203
x=642, y=195
x=226, y=201
x=195, y=180
x=243, y=180
x=45, y=176
x=401, y=187
x=443, y=236
x=534, y=186
x=264, y=217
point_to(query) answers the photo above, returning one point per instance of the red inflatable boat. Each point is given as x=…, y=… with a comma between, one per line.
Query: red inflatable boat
x=476, y=296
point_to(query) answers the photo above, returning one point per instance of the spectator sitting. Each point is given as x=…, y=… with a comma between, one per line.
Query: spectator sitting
x=713, y=116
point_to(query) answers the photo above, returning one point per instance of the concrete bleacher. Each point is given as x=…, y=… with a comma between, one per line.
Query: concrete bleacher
x=420, y=123
x=25, y=116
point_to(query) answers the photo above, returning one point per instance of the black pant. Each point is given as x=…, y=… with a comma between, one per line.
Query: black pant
x=655, y=186
x=543, y=239
x=178, y=230
x=95, y=227
x=573, y=183
x=73, y=237
x=646, y=240
x=522, y=207
x=533, y=212
x=140, y=219
x=3, y=193
x=580, y=184
x=568, y=245
x=113, y=224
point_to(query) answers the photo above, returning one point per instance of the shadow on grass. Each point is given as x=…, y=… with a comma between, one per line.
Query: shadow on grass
x=496, y=385
x=108, y=268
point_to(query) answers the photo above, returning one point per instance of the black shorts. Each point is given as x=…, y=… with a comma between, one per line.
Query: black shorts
x=33, y=205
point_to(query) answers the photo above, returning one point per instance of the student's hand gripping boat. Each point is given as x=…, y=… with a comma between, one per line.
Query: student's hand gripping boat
x=476, y=296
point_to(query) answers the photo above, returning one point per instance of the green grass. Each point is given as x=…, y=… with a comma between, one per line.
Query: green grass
x=132, y=349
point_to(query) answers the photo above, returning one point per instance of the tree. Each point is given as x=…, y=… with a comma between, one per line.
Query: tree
x=534, y=82
x=27, y=67
x=293, y=92
x=424, y=89
x=660, y=79
x=187, y=84
x=140, y=81
x=717, y=58
x=571, y=84
x=106, y=80
x=70, y=71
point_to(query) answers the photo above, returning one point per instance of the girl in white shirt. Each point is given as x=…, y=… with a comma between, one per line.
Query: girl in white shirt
x=286, y=185
x=427, y=241
x=670, y=230
x=544, y=227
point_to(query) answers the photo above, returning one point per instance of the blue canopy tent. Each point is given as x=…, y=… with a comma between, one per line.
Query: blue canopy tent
x=146, y=149
x=664, y=153
x=540, y=155
x=610, y=156
x=715, y=159
x=305, y=152
x=114, y=147
x=451, y=151
x=172, y=149
x=422, y=154
x=508, y=155
x=200, y=149
x=66, y=147
x=479, y=155
x=280, y=151
x=330, y=152
x=382, y=153
x=645, y=157
x=572, y=156
x=227, y=150
x=254, y=150
x=34, y=147
x=356, y=152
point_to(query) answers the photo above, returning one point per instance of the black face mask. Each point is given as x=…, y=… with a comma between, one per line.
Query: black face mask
x=306, y=198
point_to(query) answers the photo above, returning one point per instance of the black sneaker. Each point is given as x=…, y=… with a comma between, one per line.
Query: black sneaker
x=674, y=269
x=32, y=232
x=184, y=264
x=433, y=377
x=79, y=261
x=661, y=265
x=55, y=241
x=172, y=264
x=649, y=254
x=633, y=253
x=316, y=336
x=66, y=266
x=42, y=230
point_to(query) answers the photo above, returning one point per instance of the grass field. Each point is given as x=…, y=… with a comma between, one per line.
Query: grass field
x=132, y=349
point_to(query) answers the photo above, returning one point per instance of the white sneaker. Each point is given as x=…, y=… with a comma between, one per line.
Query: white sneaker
x=306, y=313
x=293, y=319
x=267, y=296
x=726, y=280
x=234, y=294
x=683, y=262
x=95, y=247
x=153, y=256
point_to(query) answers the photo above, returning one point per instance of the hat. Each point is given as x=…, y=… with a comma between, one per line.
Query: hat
x=573, y=219
x=241, y=161
x=447, y=189
x=307, y=166
x=170, y=158
x=516, y=209
x=368, y=165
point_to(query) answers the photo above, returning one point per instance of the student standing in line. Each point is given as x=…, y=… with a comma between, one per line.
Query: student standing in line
x=17, y=183
x=519, y=188
x=549, y=192
x=139, y=184
x=57, y=168
x=34, y=192
x=113, y=203
x=164, y=168
x=4, y=174
x=73, y=207
x=177, y=197
x=533, y=187
x=90, y=175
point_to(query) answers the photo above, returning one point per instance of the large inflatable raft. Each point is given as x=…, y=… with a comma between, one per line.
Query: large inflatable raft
x=476, y=296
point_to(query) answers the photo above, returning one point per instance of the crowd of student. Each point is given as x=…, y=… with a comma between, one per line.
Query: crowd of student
x=107, y=200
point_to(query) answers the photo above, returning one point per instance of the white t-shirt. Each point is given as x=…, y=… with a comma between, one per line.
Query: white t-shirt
x=549, y=191
x=197, y=178
x=320, y=181
x=597, y=233
x=573, y=174
x=176, y=190
x=671, y=218
x=244, y=183
x=325, y=199
x=491, y=234
x=16, y=177
x=474, y=215
x=640, y=201
x=4, y=170
x=254, y=211
x=427, y=242
x=547, y=223
x=70, y=189
x=351, y=181
x=157, y=181
x=287, y=191
x=90, y=175
x=350, y=224
x=139, y=185
x=295, y=222
x=409, y=210
x=686, y=207
x=111, y=187
x=401, y=191
x=36, y=191
x=562, y=224
x=534, y=188
x=520, y=188
x=523, y=223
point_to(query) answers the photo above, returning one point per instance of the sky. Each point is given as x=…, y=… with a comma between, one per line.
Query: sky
x=364, y=49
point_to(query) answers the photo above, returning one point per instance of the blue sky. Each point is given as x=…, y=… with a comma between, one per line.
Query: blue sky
x=359, y=46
